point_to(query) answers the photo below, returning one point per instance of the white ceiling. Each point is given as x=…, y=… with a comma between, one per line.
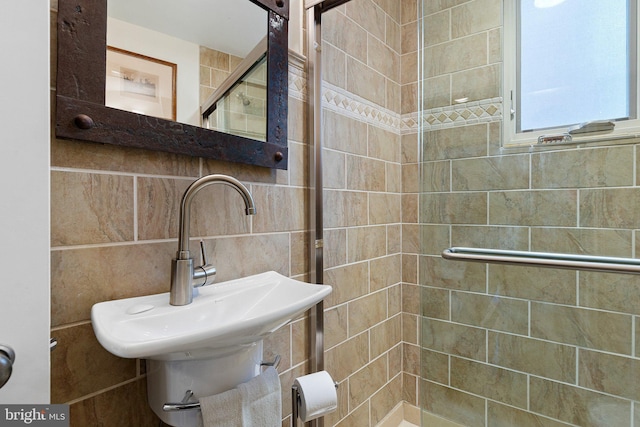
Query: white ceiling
x=231, y=26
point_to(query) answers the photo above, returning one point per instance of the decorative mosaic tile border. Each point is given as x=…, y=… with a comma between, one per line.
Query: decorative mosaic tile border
x=339, y=100
x=343, y=102
x=297, y=77
x=487, y=110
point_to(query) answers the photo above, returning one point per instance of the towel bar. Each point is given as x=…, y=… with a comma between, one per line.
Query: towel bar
x=544, y=259
x=185, y=405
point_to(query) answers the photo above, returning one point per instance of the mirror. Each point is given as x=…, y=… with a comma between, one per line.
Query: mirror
x=131, y=91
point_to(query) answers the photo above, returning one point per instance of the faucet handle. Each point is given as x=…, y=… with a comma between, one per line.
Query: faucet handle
x=206, y=273
x=203, y=253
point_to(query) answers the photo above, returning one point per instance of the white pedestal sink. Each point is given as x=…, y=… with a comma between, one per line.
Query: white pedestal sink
x=208, y=346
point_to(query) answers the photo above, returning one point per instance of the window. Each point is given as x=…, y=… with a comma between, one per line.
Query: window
x=569, y=62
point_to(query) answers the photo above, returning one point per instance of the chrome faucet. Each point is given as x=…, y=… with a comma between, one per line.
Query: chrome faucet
x=183, y=274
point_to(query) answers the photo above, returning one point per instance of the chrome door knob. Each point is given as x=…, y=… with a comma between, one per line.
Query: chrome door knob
x=7, y=357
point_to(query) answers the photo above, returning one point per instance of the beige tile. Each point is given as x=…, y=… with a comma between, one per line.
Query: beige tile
x=602, y=242
x=366, y=312
x=394, y=177
x=537, y=357
x=610, y=292
x=478, y=83
x=436, y=92
x=408, y=10
x=409, y=38
x=344, y=133
x=366, y=82
x=383, y=59
x=610, y=208
x=410, y=268
x=451, y=338
x=475, y=16
x=538, y=284
x=599, y=167
x=335, y=324
x=409, y=208
x=578, y=406
x=279, y=209
x=358, y=418
x=334, y=169
x=364, y=243
x=299, y=339
x=454, y=405
x=345, y=34
x=394, y=97
x=90, y=208
x=214, y=59
x=547, y=208
x=505, y=416
x=491, y=312
x=394, y=239
x=471, y=53
x=335, y=247
x=348, y=357
x=510, y=238
x=385, y=335
x=334, y=65
x=344, y=208
x=365, y=174
x=437, y=272
x=386, y=399
x=367, y=15
x=434, y=366
x=385, y=272
x=393, y=35
x=435, y=176
x=384, y=208
x=383, y=144
x=83, y=277
x=130, y=400
x=409, y=98
x=582, y=327
x=159, y=209
x=457, y=142
x=495, y=45
x=409, y=152
x=80, y=366
x=349, y=281
x=411, y=304
x=391, y=8
x=436, y=28
x=494, y=383
x=409, y=68
x=435, y=303
x=367, y=381
x=410, y=328
x=455, y=208
x=609, y=373
x=279, y=344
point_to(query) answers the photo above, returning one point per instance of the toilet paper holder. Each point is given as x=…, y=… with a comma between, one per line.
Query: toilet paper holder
x=295, y=403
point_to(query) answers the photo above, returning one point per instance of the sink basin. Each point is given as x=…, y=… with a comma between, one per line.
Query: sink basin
x=222, y=318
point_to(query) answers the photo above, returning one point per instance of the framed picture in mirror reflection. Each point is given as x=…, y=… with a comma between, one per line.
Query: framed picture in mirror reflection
x=140, y=84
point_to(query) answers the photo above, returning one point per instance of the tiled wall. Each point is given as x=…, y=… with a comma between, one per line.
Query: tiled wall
x=114, y=221
x=505, y=345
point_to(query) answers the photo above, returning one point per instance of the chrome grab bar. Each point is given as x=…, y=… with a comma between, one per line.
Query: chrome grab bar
x=544, y=259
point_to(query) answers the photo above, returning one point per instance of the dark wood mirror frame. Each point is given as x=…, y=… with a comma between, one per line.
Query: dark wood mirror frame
x=80, y=94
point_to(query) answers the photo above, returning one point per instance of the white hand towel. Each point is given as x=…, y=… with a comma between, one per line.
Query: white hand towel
x=257, y=402
x=262, y=400
x=222, y=410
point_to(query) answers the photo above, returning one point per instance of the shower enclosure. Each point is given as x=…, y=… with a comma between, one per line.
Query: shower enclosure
x=509, y=345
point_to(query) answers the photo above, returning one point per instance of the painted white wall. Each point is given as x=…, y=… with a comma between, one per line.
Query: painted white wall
x=24, y=198
x=185, y=54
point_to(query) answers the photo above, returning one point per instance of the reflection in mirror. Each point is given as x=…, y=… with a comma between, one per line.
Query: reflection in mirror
x=239, y=105
x=206, y=40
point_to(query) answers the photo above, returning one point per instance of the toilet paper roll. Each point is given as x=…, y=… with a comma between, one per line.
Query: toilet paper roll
x=318, y=395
